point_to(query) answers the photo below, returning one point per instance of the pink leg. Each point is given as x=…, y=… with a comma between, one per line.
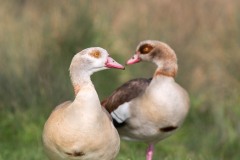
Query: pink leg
x=149, y=154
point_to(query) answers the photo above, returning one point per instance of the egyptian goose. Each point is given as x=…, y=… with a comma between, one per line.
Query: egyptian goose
x=150, y=110
x=83, y=129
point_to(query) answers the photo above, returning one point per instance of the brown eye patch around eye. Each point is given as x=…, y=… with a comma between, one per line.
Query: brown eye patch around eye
x=146, y=48
x=95, y=54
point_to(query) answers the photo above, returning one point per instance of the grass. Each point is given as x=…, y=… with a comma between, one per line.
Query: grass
x=38, y=40
x=199, y=138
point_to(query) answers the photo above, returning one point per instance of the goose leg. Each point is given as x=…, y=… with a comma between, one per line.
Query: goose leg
x=150, y=151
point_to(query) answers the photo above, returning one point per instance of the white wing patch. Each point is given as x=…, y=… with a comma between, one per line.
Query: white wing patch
x=121, y=113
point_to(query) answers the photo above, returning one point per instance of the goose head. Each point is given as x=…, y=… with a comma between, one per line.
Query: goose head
x=157, y=52
x=92, y=60
x=88, y=61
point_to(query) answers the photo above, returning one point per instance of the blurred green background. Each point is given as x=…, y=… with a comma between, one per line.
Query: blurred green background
x=39, y=38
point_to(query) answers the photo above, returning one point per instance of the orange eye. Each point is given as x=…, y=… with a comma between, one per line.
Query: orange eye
x=144, y=49
x=95, y=54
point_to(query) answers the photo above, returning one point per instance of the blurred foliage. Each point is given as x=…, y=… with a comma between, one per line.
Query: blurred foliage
x=39, y=38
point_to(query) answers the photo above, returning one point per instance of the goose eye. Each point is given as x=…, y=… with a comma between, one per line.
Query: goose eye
x=95, y=54
x=144, y=49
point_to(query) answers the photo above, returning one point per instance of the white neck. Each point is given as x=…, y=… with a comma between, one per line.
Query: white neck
x=86, y=99
x=80, y=79
x=84, y=89
x=166, y=68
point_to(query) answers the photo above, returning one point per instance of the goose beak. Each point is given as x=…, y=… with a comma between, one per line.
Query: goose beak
x=135, y=59
x=111, y=63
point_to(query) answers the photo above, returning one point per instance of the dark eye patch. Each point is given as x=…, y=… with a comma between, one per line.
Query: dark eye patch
x=145, y=49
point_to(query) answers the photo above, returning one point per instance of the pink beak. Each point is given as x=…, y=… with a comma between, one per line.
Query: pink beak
x=111, y=63
x=135, y=59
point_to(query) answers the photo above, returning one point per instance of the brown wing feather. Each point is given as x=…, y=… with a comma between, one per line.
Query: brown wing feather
x=125, y=93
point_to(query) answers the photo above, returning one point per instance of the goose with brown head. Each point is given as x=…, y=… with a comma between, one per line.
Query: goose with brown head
x=150, y=110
